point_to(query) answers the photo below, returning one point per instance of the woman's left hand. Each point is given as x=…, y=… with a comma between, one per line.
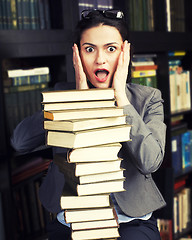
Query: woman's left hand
x=120, y=76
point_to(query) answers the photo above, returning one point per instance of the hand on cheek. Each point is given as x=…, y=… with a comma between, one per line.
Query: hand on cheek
x=80, y=77
x=120, y=76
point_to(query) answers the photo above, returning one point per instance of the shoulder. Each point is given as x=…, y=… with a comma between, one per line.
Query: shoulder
x=143, y=93
x=144, y=98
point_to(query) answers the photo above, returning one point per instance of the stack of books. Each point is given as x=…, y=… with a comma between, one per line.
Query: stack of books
x=89, y=125
x=144, y=70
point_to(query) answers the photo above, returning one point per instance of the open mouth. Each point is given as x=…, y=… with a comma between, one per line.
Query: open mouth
x=101, y=75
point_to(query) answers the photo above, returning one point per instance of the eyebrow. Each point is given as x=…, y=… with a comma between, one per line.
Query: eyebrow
x=91, y=44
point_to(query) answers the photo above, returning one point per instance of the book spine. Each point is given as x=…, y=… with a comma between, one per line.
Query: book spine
x=26, y=14
x=1, y=15
x=47, y=14
x=41, y=14
x=13, y=14
x=4, y=14
x=143, y=73
x=19, y=14
x=9, y=14
x=32, y=15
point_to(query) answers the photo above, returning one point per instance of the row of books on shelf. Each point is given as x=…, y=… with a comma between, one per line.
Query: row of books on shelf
x=181, y=149
x=29, y=215
x=181, y=209
x=35, y=14
x=141, y=15
x=24, y=14
x=90, y=138
x=180, y=88
x=165, y=228
x=175, y=15
x=22, y=90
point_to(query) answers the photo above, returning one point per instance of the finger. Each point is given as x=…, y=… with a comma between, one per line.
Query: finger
x=74, y=58
x=126, y=51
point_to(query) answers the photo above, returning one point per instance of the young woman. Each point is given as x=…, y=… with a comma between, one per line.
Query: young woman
x=101, y=58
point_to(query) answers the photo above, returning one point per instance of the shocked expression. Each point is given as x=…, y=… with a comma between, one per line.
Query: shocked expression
x=100, y=50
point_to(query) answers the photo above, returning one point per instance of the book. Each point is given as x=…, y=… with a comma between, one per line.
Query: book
x=88, y=138
x=186, y=149
x=97, y=188
x=92, y=214
x=176, y=153
x=144, y=67
x=83, y=113
x=78, y=95
x=100, y=177
x=95, y=234
x=28, y=72
x=80, y=169
x=83, y=124
x=94, y=224
x=105, y=152
x=69, y=201
x=75, y=105
x=143, y=73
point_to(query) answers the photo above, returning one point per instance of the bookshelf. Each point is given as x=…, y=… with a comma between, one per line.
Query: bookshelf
x=52, y=47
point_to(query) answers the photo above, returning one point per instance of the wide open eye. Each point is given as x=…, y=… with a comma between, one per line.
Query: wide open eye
x=111, y=49
x=89, y=49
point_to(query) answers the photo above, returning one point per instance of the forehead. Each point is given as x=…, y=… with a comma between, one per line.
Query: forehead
x=101, y=34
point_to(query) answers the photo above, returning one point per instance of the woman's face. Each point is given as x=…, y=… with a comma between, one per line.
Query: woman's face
x=100, y=50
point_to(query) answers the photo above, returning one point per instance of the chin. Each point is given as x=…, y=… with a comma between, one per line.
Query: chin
x=102, y=85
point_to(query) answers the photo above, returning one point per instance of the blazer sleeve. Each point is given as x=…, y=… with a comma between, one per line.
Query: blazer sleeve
x=29, y=134
x=146, y=150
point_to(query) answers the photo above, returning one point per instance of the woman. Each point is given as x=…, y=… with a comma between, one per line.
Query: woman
x=101, y=59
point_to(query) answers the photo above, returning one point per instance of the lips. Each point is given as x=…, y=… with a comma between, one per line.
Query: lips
x=101, y=74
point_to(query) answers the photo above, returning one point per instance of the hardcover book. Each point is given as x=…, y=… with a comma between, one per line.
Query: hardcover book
x=89, y=138
x=93, y=94
x=83, y=113
x=84, y=124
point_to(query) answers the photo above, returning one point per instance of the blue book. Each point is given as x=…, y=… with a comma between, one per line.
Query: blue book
x=47, y=14
x=34, y=15
x=4, y=14
x=176, y=153
x=185, y=142
x=41, y=14
x=19, y=14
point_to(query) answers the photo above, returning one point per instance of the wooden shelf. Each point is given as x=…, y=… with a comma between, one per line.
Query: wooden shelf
x=34, y=43
x=160, y=41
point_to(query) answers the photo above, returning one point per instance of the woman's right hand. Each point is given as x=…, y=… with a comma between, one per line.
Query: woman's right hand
x=80, y=76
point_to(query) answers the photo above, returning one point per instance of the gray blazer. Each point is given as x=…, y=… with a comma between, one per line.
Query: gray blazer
x=144, y=154
x=141, y=156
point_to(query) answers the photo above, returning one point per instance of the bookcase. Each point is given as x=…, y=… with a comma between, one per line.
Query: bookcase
x=51, y=46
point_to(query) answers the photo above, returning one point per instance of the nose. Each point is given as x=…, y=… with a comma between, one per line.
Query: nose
x=100, y=58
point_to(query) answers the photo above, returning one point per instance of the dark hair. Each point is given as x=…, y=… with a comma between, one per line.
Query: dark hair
x=95, y=19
